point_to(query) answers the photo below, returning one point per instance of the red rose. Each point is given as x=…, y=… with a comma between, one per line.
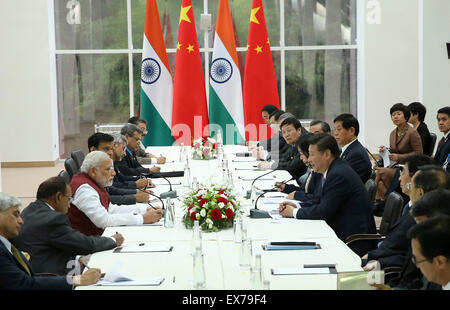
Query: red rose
x=202, y=202
x=216, y=214
x=215, y=146
x=190, y=207
x=229, y=214
x=221, y=199
x=205, y=143
x=194, y=216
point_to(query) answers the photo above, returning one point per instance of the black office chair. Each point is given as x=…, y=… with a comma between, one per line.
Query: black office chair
x=63, y=174
x=371, y=188
x=78, y=157
x=71, y=167
x=432, y=144
x=392, y=212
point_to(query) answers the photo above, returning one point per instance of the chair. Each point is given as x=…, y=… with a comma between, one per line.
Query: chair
x=371, y=188
x=78, y=157
x=392, y=212
x=63, y=174
x=71, y=167
x=432, y=144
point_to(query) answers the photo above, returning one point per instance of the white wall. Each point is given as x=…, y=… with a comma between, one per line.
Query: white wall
x=436, y=65
x=28, y=119
x=391, y=71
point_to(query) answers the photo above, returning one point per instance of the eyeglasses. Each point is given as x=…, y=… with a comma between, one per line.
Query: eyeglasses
x=69, y=197
x=415, y=262
x=287, y=132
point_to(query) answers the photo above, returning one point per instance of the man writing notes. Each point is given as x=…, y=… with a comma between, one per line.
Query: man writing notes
x=344, y=203
x=91, y=211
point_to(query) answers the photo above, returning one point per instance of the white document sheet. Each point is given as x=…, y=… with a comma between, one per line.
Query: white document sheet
x=114, y=277
x=300, y=271
x=146, y=248
x=385, y=156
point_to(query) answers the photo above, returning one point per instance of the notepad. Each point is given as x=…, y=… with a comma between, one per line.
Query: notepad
x=299, y=271
x=280, y=245
x=144, y=249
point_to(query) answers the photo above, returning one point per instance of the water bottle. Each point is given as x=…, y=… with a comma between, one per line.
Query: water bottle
x=196, y=237
x=169, y=215
x=237, y=228
x=253, y=194
x=246, y=250
x=187, y=176
x=257, y=274
x=199, y=270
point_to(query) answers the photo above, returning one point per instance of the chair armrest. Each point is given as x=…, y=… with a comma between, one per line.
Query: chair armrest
x=357, y=237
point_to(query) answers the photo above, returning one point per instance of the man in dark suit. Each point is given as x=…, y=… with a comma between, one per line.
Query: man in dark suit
x=15, y=271
x=346, y=130
x=291, y=129
x=344, y=203
x=104, y=142
x=129, y=164
x=48, y=236
x=443, y=149
x=393, y=249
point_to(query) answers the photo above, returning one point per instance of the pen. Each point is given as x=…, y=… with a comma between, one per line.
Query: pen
x=141, y=244
x=173, y=279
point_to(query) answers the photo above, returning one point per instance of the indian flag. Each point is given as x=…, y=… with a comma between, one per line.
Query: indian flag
x=156, y=82
x=225, y=95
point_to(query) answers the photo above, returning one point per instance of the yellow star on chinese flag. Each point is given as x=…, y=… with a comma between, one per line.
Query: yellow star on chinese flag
x=179, y=45
x=190, y=48
x=268, y=41
x=248, y=45
x=253, y=15
x=258, y=49
x=183, y=14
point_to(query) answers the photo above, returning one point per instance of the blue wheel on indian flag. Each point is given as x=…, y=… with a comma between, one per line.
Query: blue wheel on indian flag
x=151, y=70
x=221, y=70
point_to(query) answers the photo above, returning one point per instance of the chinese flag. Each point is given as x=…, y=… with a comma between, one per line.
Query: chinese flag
x=260, y=82
x=190, y=113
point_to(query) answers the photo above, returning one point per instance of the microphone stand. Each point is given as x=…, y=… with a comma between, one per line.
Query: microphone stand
x=171, y=193
x=249, y=193
x=255, y=213
x=159, y=198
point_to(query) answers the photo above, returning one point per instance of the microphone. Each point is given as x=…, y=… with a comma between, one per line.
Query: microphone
x=274, y=189
x=255, y=213
x=159, y=198
x=169, y=194
x=249, y=193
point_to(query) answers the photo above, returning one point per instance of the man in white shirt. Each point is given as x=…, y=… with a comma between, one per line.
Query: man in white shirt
x=430, y=241
x=91, y=211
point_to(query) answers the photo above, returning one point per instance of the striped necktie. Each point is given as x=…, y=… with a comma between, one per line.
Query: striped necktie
x=19, y=258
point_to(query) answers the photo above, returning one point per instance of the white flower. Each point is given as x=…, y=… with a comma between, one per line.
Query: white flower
x=221, y=205
x=212, y=140
x=231, y=207
x=209, y=222
x=224, y=216
x=210, y=226
x=203, y=212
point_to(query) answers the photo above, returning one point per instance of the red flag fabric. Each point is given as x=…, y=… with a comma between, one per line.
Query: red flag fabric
x=260, y=82
x=190, y=113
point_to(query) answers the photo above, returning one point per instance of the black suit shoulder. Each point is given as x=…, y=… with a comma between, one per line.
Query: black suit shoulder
x=358, y=159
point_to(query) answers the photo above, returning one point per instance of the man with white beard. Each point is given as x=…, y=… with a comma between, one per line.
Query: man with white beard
x=91, y=211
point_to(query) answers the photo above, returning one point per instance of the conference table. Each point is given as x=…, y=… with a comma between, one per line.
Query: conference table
x=221, y=252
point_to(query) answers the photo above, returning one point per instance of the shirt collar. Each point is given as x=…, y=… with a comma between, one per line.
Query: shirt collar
x=6, y=243
x=51, y=208
x=446, y=287
x=347, y=145
x=446, y=135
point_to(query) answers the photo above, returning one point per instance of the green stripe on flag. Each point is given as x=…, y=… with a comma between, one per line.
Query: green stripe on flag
x=219, y=115
x=159, y=134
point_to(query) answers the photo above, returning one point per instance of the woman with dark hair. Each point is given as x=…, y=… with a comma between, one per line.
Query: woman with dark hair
x=403, y=141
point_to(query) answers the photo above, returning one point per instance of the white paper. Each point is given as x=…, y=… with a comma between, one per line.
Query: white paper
x=262, y=179
x=130, y=282
x=300, y=271
x=385, y=156
x=146, y=248
x=273, y=200
x=159, y=223
x=278, y=219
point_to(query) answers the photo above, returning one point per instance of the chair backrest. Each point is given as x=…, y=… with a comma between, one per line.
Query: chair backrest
x=78, y=157
x=392, y=211
x=71, y=167
x=432, y=144
x=371, y=188
x=63, y=174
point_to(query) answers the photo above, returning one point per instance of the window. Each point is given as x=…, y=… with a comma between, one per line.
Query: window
x=99, y=50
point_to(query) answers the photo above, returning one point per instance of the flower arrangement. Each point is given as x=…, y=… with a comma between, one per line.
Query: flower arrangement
x=204, y=148
x=214, y=208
